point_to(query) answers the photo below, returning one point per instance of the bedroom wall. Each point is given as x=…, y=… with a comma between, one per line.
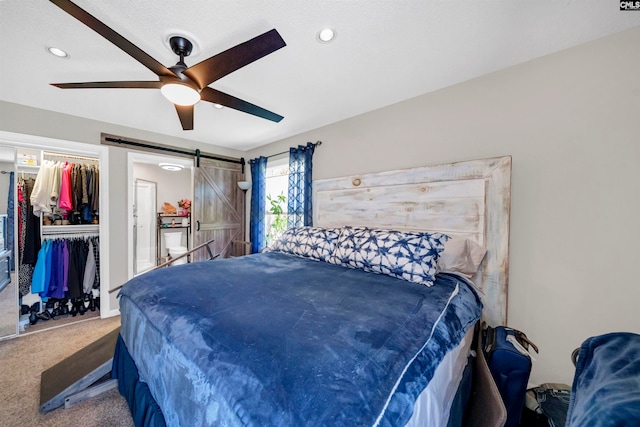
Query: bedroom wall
x=570, y=123
x=33, y=121
x=171, y=185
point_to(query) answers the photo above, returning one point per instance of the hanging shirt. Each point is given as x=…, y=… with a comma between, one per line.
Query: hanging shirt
x=65, y=254
x=89, y=270
x=40, y=270
x=54, y=184
x=95, y=202
x=76, y=186
x=56, y=285
x=83, y=177
x=40, y=195
x=65, y=202
x=32, y=240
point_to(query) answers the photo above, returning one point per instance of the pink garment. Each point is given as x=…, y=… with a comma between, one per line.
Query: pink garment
x=65, y=202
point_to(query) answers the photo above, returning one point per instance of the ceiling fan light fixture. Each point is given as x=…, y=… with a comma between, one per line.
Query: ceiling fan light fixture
x=180, y=94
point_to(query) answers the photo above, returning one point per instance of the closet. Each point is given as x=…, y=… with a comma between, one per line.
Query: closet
x=51, y=235
x=58, y=254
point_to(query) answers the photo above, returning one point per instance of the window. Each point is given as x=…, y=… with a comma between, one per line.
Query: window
x=277, y=185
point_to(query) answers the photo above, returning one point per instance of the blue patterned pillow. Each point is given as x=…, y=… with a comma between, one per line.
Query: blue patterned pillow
x=307, y=242
x=406, y=255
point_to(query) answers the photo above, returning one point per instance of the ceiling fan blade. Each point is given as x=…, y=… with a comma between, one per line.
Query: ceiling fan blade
x=110, y=85
x=186, y=116
x=218, y=66
x=217, y=97
x=115, y=38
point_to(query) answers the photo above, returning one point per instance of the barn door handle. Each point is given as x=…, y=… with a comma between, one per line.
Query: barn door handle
x=197, y=225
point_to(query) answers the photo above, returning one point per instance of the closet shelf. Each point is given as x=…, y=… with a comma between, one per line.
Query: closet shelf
x=67, y=229
x=20, y=167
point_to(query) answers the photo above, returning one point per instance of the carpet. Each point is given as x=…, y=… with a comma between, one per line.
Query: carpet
x=22, y=361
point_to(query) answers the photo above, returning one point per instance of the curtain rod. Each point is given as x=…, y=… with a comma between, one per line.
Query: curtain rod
x=287, y=152
x=197, y=154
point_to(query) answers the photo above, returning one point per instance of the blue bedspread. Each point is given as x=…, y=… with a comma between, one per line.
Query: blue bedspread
x=606, y=385
x=275, y=340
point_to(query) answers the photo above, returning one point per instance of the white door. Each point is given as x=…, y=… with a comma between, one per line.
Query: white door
x=144, y=222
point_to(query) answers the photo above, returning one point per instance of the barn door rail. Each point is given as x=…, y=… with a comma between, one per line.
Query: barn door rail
x=145, y=146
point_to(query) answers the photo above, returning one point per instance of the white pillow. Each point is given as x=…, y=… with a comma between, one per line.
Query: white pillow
x=462, y=256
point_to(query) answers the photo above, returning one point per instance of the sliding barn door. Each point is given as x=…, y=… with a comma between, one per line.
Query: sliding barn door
x=218, y=206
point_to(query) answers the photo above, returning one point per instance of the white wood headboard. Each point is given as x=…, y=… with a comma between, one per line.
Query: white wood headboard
x=470, y=199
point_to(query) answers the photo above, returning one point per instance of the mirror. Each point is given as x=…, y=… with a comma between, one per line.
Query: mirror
x=8, y=283
x=144, y=223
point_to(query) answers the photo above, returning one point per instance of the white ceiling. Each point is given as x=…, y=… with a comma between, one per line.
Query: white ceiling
x=386, y=51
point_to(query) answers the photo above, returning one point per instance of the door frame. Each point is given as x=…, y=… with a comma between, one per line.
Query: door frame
x=19, y=140
x=144, y=157
x=152, y=192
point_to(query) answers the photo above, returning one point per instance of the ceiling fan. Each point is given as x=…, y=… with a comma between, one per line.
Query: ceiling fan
x=182, y=85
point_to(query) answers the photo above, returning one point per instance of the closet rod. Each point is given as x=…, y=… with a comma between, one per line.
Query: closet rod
x=54, y=236
x=70, y=156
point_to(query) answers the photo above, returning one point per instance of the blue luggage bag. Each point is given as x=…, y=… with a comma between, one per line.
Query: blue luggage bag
x=506, y=352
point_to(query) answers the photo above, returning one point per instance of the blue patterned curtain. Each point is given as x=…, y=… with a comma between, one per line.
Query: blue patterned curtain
x=258, y=203
x=299, y=202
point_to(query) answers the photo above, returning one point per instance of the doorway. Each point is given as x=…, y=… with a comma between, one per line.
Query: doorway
x=144, y=213
x=150, y=188
x=26, y=155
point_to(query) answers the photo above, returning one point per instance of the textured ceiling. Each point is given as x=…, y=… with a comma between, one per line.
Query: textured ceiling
x=385, y=52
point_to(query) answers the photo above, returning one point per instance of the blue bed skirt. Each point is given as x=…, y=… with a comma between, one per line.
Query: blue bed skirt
x=144, y=409
x=146, y=412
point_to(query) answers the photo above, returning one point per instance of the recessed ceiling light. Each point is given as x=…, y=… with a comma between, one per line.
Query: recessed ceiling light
x=218, y=105
x=57, y=52
x=171, y=166
x=326, y=35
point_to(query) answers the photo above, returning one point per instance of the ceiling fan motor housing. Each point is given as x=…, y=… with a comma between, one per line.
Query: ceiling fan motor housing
x=181, y=46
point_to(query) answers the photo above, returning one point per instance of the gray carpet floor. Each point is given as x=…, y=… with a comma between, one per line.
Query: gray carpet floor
x=22, y=361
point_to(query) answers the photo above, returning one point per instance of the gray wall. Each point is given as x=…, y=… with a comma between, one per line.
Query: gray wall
x=171, y=185
x=571, y=123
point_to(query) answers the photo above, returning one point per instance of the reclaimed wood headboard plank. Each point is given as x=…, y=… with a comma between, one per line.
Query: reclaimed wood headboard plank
x=468, y=199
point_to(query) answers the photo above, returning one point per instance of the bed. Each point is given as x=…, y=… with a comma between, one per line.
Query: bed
x=284, y=338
